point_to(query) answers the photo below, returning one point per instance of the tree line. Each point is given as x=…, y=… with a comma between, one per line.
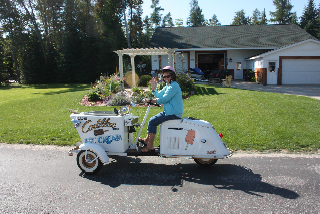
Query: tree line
x=72, y=41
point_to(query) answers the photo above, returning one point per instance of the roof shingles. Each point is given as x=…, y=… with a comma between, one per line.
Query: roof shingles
x=233, y=36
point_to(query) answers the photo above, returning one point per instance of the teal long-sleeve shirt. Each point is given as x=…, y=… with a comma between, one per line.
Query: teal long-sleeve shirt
x=171, y=97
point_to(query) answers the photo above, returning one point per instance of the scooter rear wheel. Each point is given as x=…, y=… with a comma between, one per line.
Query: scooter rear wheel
x=88, y=162
x=205, y=161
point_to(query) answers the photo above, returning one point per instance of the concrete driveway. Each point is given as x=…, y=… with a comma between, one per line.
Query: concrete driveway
x=308, y=90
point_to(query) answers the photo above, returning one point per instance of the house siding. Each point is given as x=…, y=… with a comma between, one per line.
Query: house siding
x=308, y=50
x=305, y=49
x=241, y=55
x=155, y=62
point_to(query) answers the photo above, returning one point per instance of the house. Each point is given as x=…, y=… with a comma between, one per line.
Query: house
x=279, y=54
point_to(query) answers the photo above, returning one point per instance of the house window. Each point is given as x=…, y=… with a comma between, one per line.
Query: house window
x=272, y=67
x=238, y=65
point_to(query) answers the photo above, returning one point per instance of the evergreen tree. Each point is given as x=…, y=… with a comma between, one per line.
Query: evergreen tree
x=241, y=19
x=294, y=19
x=135, y=22
x=308, y=20
x=264, y=20
x=3, y=72
x=148, y=31
x=283, y=14
x=318, y=23
x=14, y=25
x=214, y=21
x=33, y=66
x=256, y=17
x=167, y=21
x=156, y=17
x=259, y=18
x=196, y=18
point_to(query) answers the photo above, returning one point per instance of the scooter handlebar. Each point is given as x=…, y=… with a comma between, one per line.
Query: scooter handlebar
x=155, y=104
x=148, y=101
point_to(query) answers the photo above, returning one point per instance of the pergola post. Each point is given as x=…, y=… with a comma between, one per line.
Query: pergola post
x=133, y=70
x=170, y=60
x=173, y=59
x=143, y=51
x=121, y=71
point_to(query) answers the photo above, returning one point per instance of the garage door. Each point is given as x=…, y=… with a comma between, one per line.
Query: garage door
x=301, y=71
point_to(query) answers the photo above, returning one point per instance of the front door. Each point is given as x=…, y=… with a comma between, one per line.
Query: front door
x=272, y=75
x=238, y=73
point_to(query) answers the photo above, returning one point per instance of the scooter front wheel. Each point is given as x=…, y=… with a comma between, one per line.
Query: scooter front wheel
x=88, y=162
x=205, y=161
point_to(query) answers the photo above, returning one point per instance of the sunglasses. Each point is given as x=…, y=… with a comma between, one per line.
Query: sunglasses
x=166, y=76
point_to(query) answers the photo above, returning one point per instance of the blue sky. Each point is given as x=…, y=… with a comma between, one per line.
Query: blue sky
x=224, y=9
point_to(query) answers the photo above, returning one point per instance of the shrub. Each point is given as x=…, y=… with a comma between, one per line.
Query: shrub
x=186, y=83
x=138, y=98
x=144, y=80
x=120, y=99
x=137, y=90
x=251, y=76
x=112, y=83
x=92, y=96
x=104, y=88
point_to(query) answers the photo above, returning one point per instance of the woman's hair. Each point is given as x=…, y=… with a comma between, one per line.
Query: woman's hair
x=172, y=73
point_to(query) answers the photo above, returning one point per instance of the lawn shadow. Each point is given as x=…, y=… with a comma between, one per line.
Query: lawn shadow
x=205, y=91
x=65, y=88
x=220, y=176
x=10, y=87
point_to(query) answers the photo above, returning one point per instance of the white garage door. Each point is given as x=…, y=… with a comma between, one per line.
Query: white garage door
x=300, y=71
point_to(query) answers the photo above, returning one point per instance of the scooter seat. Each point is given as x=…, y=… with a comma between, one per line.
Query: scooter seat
x=197, y=122
x=172, y=122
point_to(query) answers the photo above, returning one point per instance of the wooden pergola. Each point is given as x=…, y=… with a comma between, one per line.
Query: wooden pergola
x=143, y=51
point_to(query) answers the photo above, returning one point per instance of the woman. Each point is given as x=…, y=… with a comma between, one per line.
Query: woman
x=171, y=97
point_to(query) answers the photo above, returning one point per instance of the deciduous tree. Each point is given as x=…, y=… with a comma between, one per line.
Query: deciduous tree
x=179, y=22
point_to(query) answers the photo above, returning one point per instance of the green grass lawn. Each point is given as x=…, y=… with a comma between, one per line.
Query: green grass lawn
x=249, y=120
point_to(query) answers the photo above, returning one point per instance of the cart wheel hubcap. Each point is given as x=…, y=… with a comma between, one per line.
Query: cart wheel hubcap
x=205, y=160
x=88, y=161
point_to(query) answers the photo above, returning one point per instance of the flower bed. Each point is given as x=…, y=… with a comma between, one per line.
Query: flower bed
x=107, y=92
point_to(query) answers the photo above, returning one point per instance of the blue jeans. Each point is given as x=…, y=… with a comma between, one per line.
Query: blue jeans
x=157, y=120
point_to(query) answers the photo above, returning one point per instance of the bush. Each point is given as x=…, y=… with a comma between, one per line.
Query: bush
x=144, y=80
x=186, y=83
x=104, y=88
x=138, y=98
x=137, y=90
x=112, y=83
x=119, y=99
x=92, y=96
x=251, y=76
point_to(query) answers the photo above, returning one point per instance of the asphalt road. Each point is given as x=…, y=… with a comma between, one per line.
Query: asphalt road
x=44, y=179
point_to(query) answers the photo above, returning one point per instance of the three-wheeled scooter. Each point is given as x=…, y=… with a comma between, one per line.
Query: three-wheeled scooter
x=107, y=134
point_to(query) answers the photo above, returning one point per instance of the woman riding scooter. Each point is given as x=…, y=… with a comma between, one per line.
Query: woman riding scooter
x=171, y=97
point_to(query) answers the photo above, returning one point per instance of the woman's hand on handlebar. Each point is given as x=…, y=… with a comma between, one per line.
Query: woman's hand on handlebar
x=151, y=101
x=147, y=100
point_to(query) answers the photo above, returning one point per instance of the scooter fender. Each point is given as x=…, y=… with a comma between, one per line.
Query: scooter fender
x=102, y=155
